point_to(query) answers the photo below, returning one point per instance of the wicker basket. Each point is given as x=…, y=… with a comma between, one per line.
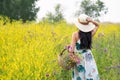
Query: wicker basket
x=67, y=60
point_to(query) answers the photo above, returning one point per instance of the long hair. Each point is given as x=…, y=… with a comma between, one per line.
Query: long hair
x=85, y=39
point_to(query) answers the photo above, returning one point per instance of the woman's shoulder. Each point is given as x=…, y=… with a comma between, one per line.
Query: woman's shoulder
x=76, y=35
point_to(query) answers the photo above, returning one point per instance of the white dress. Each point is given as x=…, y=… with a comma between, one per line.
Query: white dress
x=86, y=69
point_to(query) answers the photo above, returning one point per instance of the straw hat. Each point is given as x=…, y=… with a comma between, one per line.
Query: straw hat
x=84, y=27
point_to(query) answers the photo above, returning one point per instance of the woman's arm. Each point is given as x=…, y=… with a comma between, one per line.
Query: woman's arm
x=96, y=26
x=94, y=30
x=73, y=42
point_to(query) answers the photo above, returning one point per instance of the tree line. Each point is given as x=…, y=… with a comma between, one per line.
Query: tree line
x=27, y=10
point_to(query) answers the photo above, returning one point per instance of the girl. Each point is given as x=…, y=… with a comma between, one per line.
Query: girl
x=81, y=44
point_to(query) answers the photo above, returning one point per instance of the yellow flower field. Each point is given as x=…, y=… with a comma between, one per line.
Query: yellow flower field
x=28, y=51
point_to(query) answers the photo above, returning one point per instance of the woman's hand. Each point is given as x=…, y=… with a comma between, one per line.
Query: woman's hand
x=89, y=19
x=94, y=22
x=70, y=49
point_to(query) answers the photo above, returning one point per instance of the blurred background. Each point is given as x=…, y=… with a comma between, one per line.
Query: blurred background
x=69, y=8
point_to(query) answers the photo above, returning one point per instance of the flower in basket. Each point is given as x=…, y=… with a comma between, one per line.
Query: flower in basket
x=68, y=60
x=74, y=56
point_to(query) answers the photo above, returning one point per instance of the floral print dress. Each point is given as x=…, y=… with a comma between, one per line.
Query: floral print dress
x=86, y=69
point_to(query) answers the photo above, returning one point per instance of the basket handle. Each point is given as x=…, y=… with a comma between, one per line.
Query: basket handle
x=62, y=51
x=65, y=50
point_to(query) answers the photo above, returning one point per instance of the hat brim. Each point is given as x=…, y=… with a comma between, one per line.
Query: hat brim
x=84, y=28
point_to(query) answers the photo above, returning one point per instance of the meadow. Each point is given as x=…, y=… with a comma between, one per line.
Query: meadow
x=28, y=51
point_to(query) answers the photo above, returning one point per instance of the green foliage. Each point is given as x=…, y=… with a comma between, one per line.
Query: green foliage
x=92, y=8
x=19, y=9
x=57, y=17
x=50, y=17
